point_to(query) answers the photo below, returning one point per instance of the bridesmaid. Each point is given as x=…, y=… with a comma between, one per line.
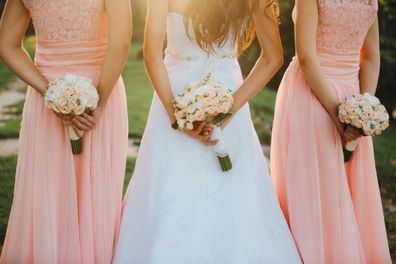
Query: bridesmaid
x=333, y=209
x=67, y=208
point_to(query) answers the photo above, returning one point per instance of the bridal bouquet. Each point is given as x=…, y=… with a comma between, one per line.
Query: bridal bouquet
x=364, y=112
x=209, y=102
x=71, y=95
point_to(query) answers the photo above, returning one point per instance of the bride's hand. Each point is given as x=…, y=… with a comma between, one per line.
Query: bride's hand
x=202, y=133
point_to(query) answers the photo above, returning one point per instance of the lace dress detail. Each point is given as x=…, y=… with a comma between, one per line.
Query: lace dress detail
x=61, y=20
x=343, y=24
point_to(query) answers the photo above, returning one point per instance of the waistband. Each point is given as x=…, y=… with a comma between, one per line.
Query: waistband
x=338, y=66
x=50, y=56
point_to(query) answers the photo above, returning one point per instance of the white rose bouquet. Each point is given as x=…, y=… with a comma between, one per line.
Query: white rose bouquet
x=364, y=112
x=209, y=102
x=71, y=95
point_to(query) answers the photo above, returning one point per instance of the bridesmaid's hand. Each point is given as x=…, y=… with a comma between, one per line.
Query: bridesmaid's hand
x=88, y=120
x=202, y=133
x=351, y=133
x=79, y=133
x=64, y=117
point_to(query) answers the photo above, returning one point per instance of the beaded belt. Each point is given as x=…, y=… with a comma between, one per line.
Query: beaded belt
x=197, y=58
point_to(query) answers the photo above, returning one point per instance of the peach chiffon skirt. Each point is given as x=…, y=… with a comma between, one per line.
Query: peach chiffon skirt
x=333, y=208
x=67, y=208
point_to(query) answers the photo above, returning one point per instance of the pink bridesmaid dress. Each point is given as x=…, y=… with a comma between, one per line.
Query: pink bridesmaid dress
x=66, y=208
x=333, y=208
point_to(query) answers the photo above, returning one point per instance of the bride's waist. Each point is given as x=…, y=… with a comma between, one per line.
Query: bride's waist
x=86, y=55
x=201, y=57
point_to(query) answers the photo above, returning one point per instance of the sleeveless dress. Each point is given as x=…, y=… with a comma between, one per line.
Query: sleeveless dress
x=180, y=206
x=333, y=208
x=66, y=207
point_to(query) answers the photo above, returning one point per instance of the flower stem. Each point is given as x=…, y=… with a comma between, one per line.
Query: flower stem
x=76, y=146
x=225, y=163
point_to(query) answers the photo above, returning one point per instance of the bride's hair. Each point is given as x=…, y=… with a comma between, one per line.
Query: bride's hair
x=214, y=21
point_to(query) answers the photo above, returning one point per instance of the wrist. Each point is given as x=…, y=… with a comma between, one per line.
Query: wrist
x=101, y=104
x=43, y=89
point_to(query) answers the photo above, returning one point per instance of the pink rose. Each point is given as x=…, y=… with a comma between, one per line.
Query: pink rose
x=349, y=109
x=358, y=123
x=364, y=116
x=367, y=108
x=62, y=101
x=378, y=132
x=189, y=126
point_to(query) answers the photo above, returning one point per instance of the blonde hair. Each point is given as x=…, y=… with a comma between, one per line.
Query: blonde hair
x=214, y=21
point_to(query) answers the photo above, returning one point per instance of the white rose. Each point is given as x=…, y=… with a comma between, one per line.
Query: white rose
x=70, y=78
x=181, y=123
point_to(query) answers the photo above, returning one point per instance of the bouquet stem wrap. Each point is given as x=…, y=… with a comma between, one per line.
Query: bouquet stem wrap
x=75, y=140
x=349, y=149
x=221, y=149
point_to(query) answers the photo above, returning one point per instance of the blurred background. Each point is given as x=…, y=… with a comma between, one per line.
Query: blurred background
x=139, y=93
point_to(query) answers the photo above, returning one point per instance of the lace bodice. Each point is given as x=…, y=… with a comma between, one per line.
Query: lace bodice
x=343, y=24
x=69, y=33
x=71, y=21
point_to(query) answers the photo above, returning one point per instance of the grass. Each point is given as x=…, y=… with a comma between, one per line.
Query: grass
x=5, y=77
x=139, y=92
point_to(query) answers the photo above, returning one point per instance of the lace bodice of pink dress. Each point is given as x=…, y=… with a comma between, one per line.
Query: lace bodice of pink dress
x=343, y=24
x=69, y=32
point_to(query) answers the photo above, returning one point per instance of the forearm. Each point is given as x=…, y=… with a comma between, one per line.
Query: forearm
x=319, y=86
x=261, y=74
x=112, y=68
x=159, y=78
x=368, y=75
x=19, y=62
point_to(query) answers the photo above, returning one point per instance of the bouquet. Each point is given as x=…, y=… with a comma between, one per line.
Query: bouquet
x=209, y=102
x=71, y=95
x=364, y=112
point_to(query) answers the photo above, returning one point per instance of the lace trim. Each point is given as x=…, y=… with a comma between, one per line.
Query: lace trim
x=362, y=2
x=343, y=28
x=68, y=20
x=197, y=58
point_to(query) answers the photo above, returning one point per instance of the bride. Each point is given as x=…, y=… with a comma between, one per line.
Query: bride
x=180, y=206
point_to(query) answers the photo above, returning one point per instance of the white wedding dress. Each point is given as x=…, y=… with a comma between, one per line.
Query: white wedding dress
x=180, y=206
